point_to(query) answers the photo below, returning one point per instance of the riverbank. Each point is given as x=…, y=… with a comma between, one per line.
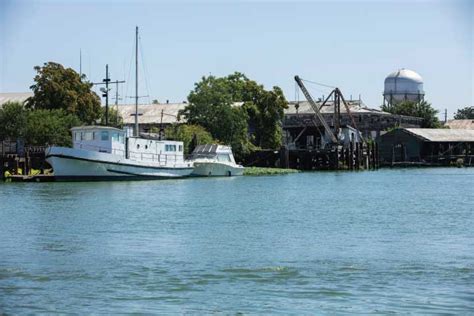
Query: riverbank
x=260, y=171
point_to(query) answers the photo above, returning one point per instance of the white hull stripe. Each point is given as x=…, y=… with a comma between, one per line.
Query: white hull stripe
x=117, y=163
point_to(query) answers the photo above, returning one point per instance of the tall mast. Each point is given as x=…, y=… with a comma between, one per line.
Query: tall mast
x=136, y=81
x=80, y=63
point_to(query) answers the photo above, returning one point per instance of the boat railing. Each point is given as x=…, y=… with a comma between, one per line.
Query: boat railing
x=101, y=149
x=161, y=159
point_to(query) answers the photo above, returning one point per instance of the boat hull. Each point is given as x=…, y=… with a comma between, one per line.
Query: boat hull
x=73, y=164
x=216, y=169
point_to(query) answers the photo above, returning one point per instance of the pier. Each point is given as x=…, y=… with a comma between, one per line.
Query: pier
x=22, y=163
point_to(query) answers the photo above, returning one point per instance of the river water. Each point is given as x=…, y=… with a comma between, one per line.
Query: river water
x=331, y=243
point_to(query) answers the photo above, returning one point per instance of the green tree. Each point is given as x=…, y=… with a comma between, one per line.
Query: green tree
x=421, y=109
x=57, y=87
x=186, y=133
x=50, y=127
x=466, y=113
x=13, y=117
x=212, y=105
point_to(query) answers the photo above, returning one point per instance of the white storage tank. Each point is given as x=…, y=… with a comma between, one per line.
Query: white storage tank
x=403, y=84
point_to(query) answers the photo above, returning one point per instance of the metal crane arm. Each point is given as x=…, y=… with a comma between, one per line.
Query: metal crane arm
x=315, y=108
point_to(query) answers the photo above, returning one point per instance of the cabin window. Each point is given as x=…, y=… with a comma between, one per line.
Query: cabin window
x=120, y=137
x=77, y=136
x=146, y=146
x=104, y=135
x=223, y=157
x=87, y=136
x=95, y=135
x=138, y=146
x=170, y=147
x=180, y=147
x=115, y=137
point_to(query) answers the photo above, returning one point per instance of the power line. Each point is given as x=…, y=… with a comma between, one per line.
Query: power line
x=319, y=84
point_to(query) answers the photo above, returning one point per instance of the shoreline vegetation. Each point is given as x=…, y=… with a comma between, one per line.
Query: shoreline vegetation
x=260, y=171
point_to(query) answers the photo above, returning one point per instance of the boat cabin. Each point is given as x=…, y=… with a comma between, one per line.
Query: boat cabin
x=102, y=139
x=213, y=151
x=105, y=139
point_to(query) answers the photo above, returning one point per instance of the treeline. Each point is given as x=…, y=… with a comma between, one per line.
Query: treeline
x=232, y=110
x=425, y=111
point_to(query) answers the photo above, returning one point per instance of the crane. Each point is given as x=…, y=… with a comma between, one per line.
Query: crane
x=316, y=110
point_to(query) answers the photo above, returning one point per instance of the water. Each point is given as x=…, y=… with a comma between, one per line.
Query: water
x=391, y=241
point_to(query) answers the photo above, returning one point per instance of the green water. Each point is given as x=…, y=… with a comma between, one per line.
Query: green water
x=397, y=241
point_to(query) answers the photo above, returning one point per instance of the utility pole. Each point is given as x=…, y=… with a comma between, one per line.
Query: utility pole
x=116, y=94
x=445, y=116
x=105, y=91
x=106, y=94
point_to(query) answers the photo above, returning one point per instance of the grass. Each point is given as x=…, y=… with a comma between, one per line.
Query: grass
x=258, y=171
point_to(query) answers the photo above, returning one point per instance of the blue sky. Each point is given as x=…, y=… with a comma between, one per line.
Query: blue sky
x=349, y=44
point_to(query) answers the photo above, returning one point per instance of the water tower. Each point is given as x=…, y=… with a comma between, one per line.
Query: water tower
x=403, y=85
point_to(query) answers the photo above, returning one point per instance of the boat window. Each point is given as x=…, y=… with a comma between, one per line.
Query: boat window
x=170, y=147
x=95, y=135
x=104, y=135
x=87, y=136
x=223, y=157
x=77, y=136
x=180, y=147
x=138, y=146
x=121, y=140
x=115, y=137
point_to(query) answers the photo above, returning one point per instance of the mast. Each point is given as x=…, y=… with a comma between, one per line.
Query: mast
x=80, y=63
x=136, y=81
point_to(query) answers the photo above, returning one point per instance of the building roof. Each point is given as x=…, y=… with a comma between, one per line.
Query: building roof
x=95, y=127
x=14, y=97
x=442, y=134
x=355, y=106
x=151, y=113
x=460, y=124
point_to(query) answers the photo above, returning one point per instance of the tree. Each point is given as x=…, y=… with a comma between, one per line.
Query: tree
x=13, y=117
x=421, y=109
x=50, y=127
x=212, y=105
x=466, y=113
x=186, y=133
x=57, y=87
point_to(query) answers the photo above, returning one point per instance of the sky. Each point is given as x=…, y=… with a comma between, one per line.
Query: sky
x=353, y=45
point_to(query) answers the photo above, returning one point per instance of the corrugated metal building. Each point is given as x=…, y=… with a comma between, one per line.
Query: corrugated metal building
x=460, y=124
x=426, y=146
x=14, y=97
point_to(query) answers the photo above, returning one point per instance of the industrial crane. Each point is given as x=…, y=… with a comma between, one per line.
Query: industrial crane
x=316, y=110
x=337, y=98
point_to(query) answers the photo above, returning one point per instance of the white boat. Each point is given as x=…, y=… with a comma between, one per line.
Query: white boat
x=105, y=153
x=215, y=160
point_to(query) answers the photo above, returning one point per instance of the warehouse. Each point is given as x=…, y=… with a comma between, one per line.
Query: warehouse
x=424, y=146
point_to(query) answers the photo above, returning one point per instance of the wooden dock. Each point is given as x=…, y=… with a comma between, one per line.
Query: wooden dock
x=36, y=178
